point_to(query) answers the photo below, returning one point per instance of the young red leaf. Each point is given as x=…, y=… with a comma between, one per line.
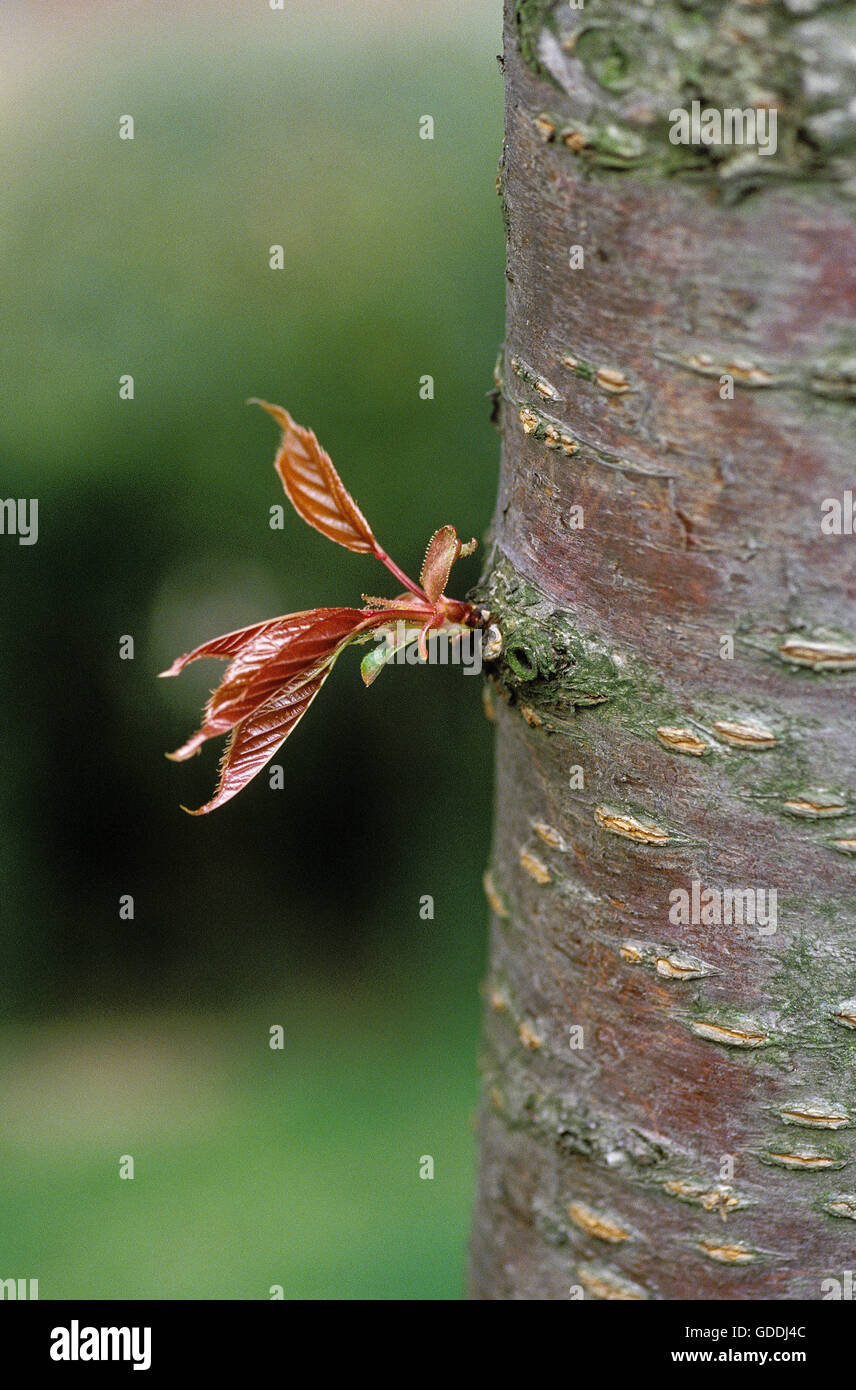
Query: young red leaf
x=315, y=489
x=222, y=647
x=255, y=740
x=301, y=643
x=443, y=550
x=284, y=652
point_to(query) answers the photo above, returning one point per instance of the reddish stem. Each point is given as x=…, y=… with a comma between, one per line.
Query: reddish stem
x=399, y=574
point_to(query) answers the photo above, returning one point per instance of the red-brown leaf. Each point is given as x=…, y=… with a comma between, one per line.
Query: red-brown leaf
x=255, y=740
x=305, y=641
x=443, y=550
x=284, y=652
x=222, y=647
x=315, y=489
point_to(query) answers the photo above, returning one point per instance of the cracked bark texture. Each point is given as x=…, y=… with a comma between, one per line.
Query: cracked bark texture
x=670, y=1108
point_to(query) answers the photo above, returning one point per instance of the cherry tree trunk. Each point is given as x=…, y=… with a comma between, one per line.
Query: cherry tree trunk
x=670, y=1039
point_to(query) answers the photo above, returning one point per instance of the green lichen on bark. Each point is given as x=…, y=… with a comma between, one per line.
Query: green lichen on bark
x=545, y=659
x=620, y=67
x=558, y=669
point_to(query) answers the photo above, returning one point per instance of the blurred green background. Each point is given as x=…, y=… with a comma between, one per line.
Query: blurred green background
x=297, y=907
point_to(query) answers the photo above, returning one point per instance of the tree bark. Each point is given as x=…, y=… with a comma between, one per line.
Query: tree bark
x=670, y=1100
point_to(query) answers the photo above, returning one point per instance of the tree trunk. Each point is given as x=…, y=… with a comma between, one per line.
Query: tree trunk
x=670, y=1096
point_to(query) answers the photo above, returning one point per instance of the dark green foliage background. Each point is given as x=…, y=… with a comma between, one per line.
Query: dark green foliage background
x=298, y=907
